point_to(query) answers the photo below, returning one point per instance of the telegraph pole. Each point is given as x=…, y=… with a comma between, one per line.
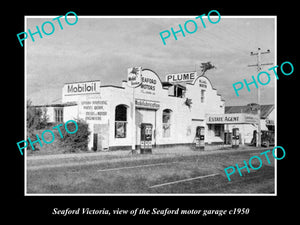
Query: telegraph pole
x=259, y=67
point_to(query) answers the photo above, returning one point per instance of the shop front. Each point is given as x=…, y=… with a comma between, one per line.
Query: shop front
x=243, y=123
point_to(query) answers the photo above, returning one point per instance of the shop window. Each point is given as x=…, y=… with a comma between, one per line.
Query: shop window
x=166, y=122
x=120, y=121
x=202, y=96
x=58, y=115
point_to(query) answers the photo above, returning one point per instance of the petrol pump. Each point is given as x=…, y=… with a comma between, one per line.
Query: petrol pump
x=200, y=138
x=235, y=138
x=146, y=138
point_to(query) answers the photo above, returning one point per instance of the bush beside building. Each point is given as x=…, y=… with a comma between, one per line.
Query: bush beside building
x=37, y=123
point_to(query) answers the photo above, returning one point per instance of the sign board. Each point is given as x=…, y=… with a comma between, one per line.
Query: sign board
x=150, y=83
x=134, y=77
x=250, y=118
x=75, y=92
x=147, y=104
x=181, y=77
x=231, y=118
x=94, y=110
x=81, y=88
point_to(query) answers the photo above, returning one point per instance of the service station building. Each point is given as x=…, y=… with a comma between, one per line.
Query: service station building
x=173, y=109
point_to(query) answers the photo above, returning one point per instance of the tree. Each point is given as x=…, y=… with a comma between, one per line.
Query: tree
x=36, y=117
x=36, y=120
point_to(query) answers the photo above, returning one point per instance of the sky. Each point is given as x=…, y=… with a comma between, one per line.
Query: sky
x=102, y=48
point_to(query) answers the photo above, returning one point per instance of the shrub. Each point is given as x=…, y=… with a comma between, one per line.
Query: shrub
x=77, y=141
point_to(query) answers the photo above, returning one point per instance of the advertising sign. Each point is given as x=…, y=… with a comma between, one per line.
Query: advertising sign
x=74, y=92
x=150, y=83
x=181, y=77
x=82, y=88
x=202, y=82
x=147, y=104
x=94, y=110
x=134, y=77
x=231, y=118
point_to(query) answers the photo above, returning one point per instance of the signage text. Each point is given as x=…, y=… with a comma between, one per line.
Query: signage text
x=141, y=103
x=181, y=77
x=82, y=88
x=94, y=110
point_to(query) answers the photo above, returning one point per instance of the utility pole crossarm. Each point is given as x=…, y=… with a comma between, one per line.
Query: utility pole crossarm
x=265, y=64
x=252, y=65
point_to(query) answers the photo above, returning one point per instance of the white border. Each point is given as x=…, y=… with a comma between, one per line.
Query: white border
x=138, y=194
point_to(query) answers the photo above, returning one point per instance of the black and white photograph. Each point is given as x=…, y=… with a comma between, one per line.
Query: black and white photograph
x=151, y=118
x=173, y=114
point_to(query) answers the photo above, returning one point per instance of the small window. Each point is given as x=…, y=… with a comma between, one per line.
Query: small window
x=120, y=121
x=166, y=122
x=58, y=115
x=179, y=91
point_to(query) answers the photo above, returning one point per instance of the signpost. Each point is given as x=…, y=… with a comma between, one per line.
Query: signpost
x=134, y=79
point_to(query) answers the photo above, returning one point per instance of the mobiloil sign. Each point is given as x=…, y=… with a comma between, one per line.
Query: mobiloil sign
x=81, y=88
x=79, y=91
x=89, y=87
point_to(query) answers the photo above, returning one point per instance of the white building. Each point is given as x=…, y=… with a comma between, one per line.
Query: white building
x=175, y=110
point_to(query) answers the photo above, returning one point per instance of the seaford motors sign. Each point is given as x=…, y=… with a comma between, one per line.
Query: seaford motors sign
x=181, y=77
x=82, y=88
x=231, y=118
x=150, y=83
